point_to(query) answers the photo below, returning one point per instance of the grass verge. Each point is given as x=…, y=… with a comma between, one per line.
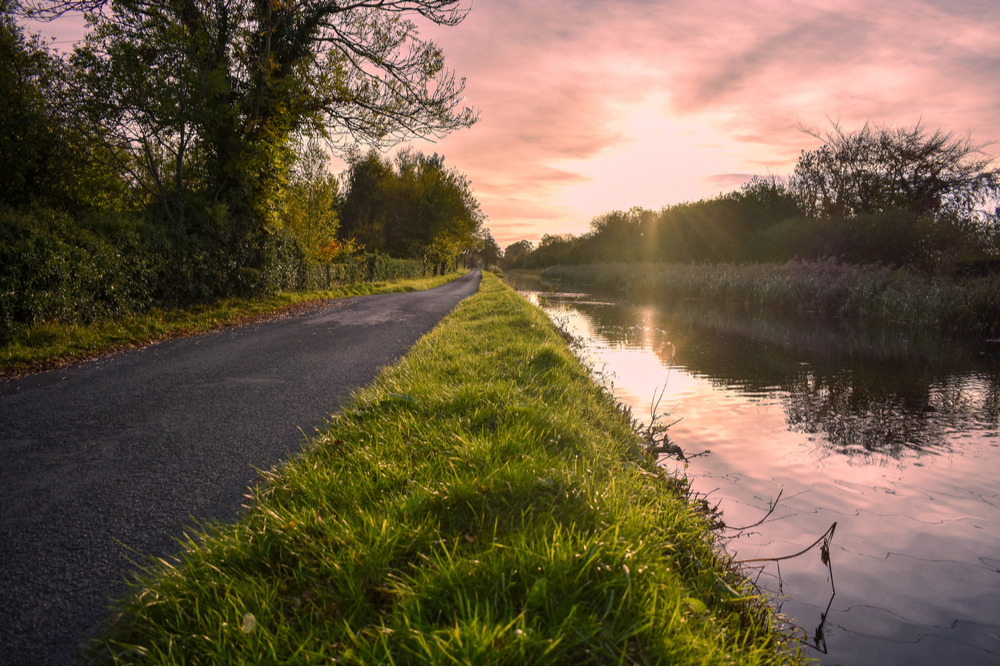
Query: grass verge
x=483, y=501
x=39, y=347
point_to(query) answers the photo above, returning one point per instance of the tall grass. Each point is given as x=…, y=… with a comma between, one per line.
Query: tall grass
x=828, y=286
x=482, y=502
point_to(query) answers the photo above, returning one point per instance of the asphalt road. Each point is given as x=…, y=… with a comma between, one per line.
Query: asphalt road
x=124, y=452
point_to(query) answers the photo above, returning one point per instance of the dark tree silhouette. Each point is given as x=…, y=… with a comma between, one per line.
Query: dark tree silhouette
x=880, y=168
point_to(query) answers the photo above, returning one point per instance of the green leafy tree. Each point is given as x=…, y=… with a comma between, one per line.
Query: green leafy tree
x=618, y=235
x=516, y=254
x=763, y=201
x=552, y=249
x=206, y=96
x=444, y=215
x=42, y=158
x=489, y=253
x=416, y=207
x=311, y=200
x=369, y=202
x=25, y=127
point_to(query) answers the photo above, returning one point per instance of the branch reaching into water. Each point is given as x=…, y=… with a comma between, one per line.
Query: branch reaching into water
x=819, y=636
x=827, y=537
x=774, y=506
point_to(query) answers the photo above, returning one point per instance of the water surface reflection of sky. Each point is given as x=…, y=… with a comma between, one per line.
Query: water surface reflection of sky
x=891, y=434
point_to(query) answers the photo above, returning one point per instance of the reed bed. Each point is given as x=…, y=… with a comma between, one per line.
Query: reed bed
x=825, y=286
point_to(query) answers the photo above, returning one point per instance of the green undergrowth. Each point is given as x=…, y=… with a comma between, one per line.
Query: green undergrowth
x=37, y=347
x=482, y=502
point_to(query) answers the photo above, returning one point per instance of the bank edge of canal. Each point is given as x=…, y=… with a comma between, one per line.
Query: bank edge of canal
x=483, y=501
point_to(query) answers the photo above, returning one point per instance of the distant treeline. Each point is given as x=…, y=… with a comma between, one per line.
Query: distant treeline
x=900, y=196
x=121, y=191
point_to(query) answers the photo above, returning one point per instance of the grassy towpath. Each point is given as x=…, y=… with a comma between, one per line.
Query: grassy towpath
x=482, y=502
x=39, y=347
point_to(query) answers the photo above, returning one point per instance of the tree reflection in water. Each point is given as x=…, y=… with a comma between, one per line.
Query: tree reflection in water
x=876, y=421
x=859, y=422
x=910, y=391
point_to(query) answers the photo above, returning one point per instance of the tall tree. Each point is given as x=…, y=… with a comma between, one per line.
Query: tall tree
x=25, y=128
x=207, y=95
x=369, y=201
x=42, y=158
x=310, y=201
x=442, y=217
x=489, y=253
x=880, y=167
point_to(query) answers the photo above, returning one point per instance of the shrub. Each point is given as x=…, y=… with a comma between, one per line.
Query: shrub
x=52, y=269
x=56, y=269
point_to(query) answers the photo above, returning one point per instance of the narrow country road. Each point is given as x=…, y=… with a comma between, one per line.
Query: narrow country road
x=123, y=453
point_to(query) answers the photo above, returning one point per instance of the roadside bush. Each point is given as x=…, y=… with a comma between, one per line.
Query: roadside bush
x=383, y=267
x=52, y=269
x=218, y=262
x=57, y=269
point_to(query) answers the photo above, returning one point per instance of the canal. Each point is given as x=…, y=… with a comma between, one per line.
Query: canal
x=791, y=422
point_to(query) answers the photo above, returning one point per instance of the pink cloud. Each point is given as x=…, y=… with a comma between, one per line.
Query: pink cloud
x=749, y=73
x=728, y=181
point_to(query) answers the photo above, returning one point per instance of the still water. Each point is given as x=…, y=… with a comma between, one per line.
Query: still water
x=889, y=432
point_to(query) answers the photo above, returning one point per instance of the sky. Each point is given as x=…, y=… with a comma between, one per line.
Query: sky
x=589, y=106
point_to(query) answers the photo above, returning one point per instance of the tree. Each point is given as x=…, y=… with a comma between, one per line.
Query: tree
x=206, y=96
x=415, y=208
x=489, y=253
x=515, y=254
x=442, y=218
x=42, y=158
x=761, y=202
x=368, y=203
x=552, y=249
x=25, y=130
x=881, y=168
x=310, y=202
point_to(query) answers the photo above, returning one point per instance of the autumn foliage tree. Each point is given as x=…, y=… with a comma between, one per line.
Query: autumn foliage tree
x=310, y=203
x=413, y=206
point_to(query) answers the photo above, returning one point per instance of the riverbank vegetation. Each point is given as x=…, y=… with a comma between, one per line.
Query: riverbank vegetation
x=905, y=197
x=482, y=502
x=178, y=156
x=825, y=286
x=898, y=224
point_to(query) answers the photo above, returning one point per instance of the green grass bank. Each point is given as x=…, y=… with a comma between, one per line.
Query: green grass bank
x=970, y=305
x=483, y=501
x=38, y=347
